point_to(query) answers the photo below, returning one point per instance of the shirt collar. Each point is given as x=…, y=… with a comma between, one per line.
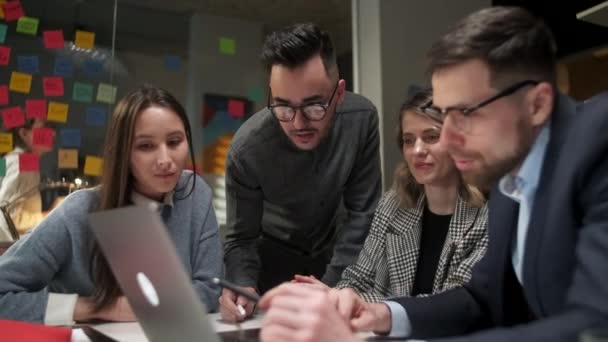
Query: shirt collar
x=141, y=200
x=525, y=182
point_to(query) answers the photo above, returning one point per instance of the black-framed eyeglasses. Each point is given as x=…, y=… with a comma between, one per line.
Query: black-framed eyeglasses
x=462, y=116
x=311, y=111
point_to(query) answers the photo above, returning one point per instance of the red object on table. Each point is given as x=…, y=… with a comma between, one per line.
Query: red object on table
x=22, y=331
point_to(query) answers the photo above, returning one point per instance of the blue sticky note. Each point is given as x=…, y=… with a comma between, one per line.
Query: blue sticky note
x=173, y=63
x=93, y=68
x=27, y=64
x=3, y=29
x=96, y=116
x=70, y=137
x=63, y=67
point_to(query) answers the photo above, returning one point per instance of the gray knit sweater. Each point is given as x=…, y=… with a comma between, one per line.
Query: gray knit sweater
x=55, y=257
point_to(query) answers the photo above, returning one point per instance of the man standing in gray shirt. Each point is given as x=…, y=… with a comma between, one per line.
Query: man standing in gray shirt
x=293, y=166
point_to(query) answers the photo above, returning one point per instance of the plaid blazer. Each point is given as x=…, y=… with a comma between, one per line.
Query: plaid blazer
x=386, y=266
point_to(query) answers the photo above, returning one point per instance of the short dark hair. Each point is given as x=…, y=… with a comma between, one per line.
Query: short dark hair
x=292, y=46
x=509, y=39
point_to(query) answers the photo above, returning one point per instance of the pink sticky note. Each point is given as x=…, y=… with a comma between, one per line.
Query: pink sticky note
x=236, y=108
x=53, y=39
x=3, y=95
x=52, y=86
x=13, y=117
x=5, y=55
x=12, y=10
x=35, y=109
x=43, y=136
x=28, y=162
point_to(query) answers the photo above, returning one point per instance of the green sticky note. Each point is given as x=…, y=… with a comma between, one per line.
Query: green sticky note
x=106, y=93
x=27, y=25
x=2, y=167
x=227, y=46
x=3, y=29
x=83, y=92
x=255, y=94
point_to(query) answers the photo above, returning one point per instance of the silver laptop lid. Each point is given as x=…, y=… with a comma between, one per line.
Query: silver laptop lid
x=142, y=256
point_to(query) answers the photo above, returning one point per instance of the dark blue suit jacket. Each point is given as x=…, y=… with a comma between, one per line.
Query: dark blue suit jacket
x=565, y=267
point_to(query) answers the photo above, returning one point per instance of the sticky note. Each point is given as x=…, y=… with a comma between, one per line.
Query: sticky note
x=83, y=92
x=28, y=25
x=20, y=82
x=67, y=158
x=2, y=167
x=43, y=136
x=3, y=95
x=96, y=116
x=5, y=55
x=106, y=93
x=53, y=39
x=52, y=86
x=84, y=39
x=63, y=67
x=2, y=9
x=236, y=108
x=29, y=162
x=227, y=46
x=27, y=64
x=255, y=94
x=35, y=109
x=93, y=166
x=3, y=29
x=12, y=10
x=70, y=137
x=57, y=112
x=6, y=142
x=13, y=117
x=173, y=63
x=93, y=68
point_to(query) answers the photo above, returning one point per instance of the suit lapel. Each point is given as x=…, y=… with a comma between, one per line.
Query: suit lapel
x=403, y=247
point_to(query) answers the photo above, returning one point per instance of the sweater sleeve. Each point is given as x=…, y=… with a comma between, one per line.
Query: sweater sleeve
x=28, y=266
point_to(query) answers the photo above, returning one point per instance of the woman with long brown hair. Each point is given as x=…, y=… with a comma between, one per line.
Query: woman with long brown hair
x=57, y=274
x=429, y=230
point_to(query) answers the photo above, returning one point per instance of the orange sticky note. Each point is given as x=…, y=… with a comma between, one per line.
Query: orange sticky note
x=43, y=136
x=29, y=162
x=57, y=112
x=6, y=142
x=35, y=109
x=85, y=39
x=93, y=166
x=67, y=158
x=13, y=117
x=3, y=95
x=52, y=86
x=53, y=39
x=20, y=82
x=5, y=54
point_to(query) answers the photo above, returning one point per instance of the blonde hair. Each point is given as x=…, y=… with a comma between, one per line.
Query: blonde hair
x=406, y=187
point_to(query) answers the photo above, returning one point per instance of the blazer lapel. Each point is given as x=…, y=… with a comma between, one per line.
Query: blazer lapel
x=403, y=247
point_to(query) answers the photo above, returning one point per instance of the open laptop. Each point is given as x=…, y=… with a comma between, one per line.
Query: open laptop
x=142, y=256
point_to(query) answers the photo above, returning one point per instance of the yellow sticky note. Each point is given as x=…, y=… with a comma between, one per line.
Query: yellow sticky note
x=93, y=166
x=6, y=142
x=85, y=39
x=57, y=112
x=1, y=9
x=106, y=93
x=20, y=82
x=67, y=158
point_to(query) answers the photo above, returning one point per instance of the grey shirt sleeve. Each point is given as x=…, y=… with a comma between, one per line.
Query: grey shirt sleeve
x=244, y=204
x=28, y=266
x=208, y=262
x=361, y=195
